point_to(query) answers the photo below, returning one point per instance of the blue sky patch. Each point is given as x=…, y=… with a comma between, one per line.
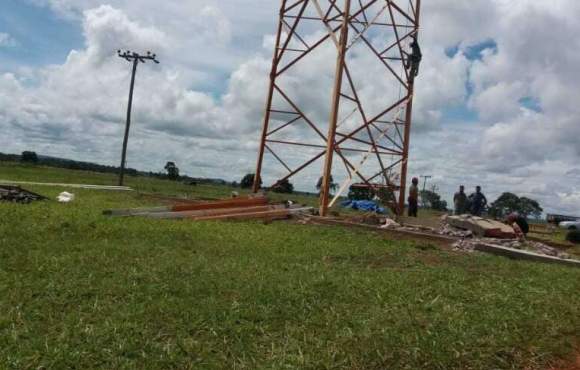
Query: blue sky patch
x=452, y=51
x=42, y=37
x=475, y=52
x=531, y=103
x=459, y=113
x=472, y=52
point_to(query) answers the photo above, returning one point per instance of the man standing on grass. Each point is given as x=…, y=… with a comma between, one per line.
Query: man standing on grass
x=478, y=202
x=460, y=201
x=414, y=198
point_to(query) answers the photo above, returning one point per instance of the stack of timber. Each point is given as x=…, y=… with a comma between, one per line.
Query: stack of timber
x=245, y=208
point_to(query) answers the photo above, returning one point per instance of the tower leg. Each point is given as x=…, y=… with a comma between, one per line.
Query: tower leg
x=331, y=138
x=266, y=123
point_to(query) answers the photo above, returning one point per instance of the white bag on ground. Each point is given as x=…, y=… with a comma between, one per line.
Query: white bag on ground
x=65, y=197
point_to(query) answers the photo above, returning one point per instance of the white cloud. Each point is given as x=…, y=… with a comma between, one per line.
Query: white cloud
x=6, y=40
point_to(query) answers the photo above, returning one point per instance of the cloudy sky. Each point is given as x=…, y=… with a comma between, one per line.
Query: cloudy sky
x=497, y=101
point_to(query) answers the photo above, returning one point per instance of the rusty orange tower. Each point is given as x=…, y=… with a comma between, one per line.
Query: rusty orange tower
x=341, y=95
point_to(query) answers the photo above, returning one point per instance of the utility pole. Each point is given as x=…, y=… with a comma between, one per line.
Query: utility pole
x=425, y=178
x=134, y=58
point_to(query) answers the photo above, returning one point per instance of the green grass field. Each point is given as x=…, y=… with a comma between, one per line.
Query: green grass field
x=82, y=291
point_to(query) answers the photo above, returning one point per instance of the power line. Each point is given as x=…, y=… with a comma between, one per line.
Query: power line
x=134, y=58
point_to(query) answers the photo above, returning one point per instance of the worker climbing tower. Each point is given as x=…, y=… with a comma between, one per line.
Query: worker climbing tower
x=339, y=103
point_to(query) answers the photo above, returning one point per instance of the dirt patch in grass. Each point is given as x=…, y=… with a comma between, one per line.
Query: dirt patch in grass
x=570, y=364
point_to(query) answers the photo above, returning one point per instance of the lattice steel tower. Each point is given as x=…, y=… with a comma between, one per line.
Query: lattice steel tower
x=341, y=95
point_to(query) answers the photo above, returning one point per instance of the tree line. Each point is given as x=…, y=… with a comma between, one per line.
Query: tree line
x=504, y=205
x=171, y=169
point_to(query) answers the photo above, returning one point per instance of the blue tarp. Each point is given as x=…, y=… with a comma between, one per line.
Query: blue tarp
x=363, y=205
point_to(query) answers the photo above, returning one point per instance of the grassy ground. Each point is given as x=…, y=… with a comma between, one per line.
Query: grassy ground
x=79, y=290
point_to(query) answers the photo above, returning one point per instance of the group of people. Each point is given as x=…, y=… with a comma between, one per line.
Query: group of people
x=473, y=204
x=463, y=204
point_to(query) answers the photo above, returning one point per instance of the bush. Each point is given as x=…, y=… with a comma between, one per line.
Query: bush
x=248, y=181
x=29, y=157
x=284, y=187
x=573, y=236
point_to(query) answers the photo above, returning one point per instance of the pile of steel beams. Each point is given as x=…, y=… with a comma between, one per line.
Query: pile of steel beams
x=243, y=208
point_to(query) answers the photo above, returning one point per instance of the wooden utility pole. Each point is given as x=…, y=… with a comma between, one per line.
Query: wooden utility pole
x=134, y=58
x=425, y=178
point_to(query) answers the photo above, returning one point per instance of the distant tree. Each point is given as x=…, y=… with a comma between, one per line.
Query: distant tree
x=172, y=171
x=530, y=207
x=283, y=186
x=29, y=157
x=504, y=205
x=508, y=203
x=10, y=157
x=433, y=200
x=333, y=186
x=440, y=205
x=248, y=181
